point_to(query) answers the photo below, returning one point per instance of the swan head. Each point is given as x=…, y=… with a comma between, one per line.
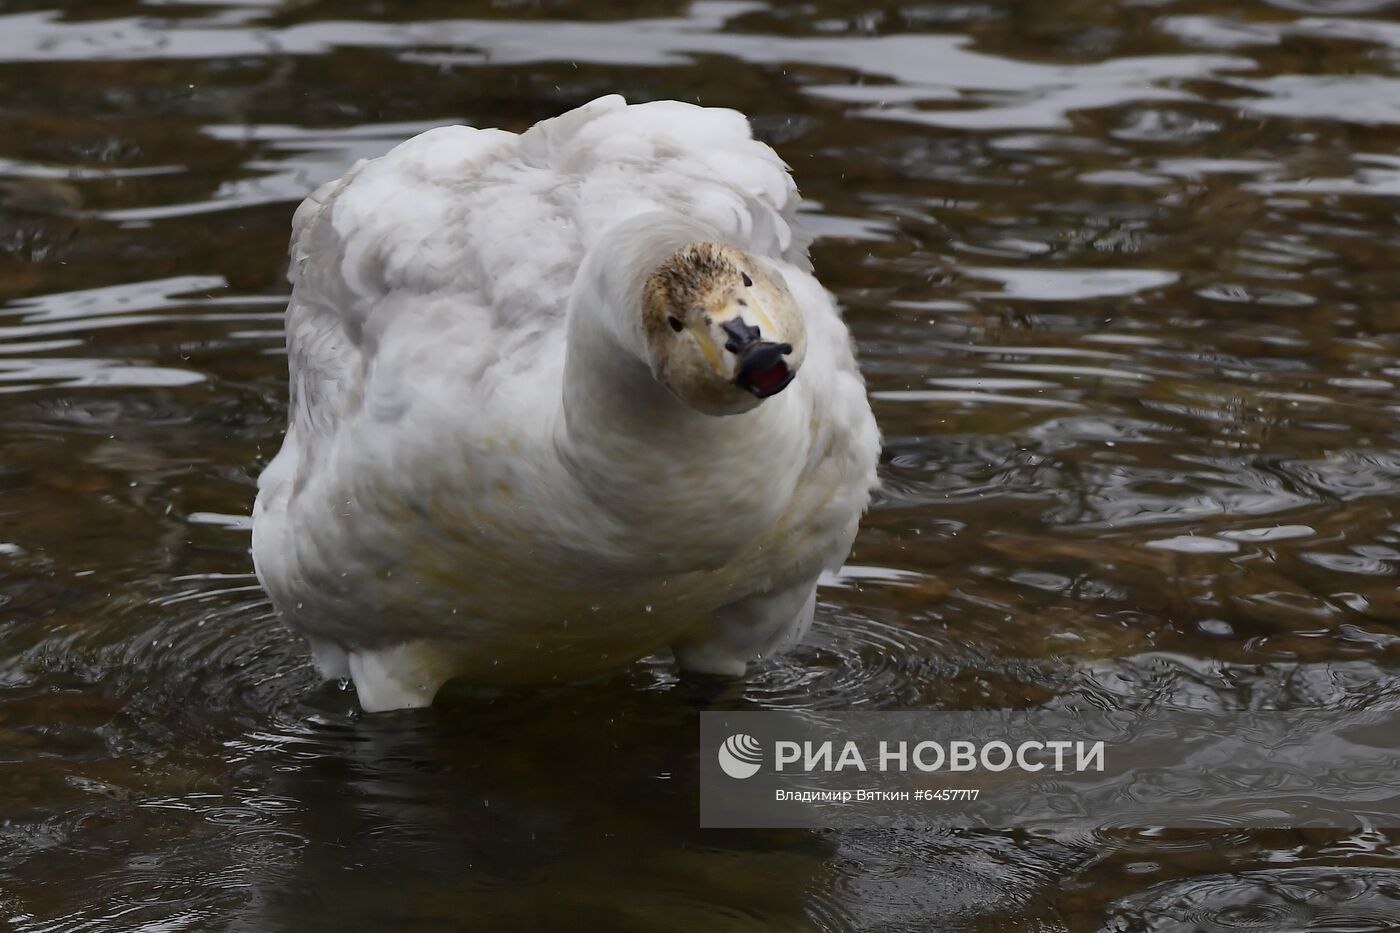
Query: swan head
x=722, y=332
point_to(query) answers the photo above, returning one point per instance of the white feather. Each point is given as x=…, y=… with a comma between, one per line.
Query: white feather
x=447, y=502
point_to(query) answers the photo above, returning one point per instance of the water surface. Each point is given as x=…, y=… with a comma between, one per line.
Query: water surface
x=1124, y=278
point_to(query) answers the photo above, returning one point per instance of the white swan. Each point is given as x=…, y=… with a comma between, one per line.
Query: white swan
x=541, y=422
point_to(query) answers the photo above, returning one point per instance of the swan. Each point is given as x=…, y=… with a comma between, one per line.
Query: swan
x=558, y=400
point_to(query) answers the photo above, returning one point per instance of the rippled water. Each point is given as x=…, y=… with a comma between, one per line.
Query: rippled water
x=1126, y=280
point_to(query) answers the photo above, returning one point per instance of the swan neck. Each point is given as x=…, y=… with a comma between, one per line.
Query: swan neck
x=611, y=396
x=615, y=411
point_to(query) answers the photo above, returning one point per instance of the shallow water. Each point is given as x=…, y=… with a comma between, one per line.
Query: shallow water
x=1124, y=278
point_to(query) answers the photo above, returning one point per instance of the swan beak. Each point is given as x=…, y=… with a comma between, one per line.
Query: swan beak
x=762, y=369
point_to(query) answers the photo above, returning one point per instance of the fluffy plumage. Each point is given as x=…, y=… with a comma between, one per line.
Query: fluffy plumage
x=482, y=475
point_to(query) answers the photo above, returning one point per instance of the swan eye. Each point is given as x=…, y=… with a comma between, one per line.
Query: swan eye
x=748, y=282
x=675, y=323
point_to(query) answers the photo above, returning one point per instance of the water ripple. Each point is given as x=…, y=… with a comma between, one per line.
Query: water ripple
x=1121, y=276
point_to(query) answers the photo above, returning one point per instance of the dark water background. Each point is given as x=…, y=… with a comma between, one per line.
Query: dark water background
x=1126, y=280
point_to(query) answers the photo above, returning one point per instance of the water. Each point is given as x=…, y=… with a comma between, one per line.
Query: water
x=1124, y=280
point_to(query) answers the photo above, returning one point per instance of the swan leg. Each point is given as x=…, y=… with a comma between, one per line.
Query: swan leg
x=332, y=662
x=405, y=676
x=747, y=629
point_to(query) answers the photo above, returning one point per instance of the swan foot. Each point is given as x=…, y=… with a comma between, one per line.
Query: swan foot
x=405, y=676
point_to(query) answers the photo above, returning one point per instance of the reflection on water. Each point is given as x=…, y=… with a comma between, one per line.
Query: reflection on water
x=1124, y=279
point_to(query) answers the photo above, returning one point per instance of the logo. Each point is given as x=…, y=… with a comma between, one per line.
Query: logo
x=740, y=756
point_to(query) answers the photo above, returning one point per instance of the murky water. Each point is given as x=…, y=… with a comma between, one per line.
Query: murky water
x=1126, y=279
